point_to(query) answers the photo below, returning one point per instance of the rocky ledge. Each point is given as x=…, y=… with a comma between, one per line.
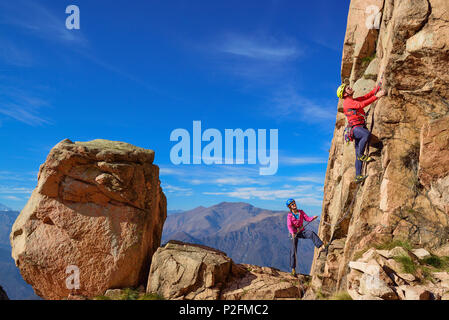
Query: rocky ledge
x=194, y=272
x=399, y=274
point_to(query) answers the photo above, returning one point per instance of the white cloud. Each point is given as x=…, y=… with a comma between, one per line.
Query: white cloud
x=262, y=48
x=287, y=103
x=13, y=198
x=298, y=161
x=217, y=175
x=236, y=181
x=314, y=179
x=22, y=105
x=36, y=19
x=303, y=194
x=15, y=190
x=168, y=188
x=18, y=176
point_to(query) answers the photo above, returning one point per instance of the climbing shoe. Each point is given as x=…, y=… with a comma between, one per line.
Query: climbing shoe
x=360, y=178
x=365, y=158
x=293, y=272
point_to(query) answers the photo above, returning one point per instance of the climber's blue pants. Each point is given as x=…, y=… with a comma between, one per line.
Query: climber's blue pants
x=306, y=234
x=361, y=137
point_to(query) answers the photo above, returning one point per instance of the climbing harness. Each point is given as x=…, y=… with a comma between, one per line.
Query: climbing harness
x=300, y=230
x=348, y=134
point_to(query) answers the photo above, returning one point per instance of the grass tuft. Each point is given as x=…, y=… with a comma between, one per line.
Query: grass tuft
x=408, y=265
x=320, y=295
x=393, y=244
x=101, y=298
x=439, y=263
x=131, y=294
x=150, y=296
x=343, y=295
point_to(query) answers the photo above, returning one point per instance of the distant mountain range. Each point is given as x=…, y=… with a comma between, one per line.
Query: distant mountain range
x=10, y=278
x=4, y=208
x=246, y=233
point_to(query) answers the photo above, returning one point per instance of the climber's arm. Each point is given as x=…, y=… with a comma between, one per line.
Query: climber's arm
x=306, y=217
x=368, y=95
x=365, y=103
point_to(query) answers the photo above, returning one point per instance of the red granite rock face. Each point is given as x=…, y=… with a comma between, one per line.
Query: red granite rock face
x=406, y=194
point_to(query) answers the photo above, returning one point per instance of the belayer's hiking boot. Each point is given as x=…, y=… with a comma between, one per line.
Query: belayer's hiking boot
x=365, y=158
x=293, y=272
x=360, y=178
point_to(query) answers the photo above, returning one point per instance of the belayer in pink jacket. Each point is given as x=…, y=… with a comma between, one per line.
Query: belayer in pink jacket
x=295, y=222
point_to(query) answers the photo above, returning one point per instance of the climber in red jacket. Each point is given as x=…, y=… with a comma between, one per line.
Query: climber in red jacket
x=355, y=113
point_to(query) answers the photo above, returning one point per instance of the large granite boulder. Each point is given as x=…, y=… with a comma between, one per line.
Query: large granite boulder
x=93, y=222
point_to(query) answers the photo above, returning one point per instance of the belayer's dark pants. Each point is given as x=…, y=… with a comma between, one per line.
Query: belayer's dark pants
x=361, y=137
x=306, y=234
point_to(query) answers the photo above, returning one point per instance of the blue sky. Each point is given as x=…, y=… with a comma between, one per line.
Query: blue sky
x=137, y=70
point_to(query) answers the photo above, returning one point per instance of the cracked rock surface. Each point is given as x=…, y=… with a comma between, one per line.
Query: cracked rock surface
x=98, y=209
x=406, y=194
x=194, y=272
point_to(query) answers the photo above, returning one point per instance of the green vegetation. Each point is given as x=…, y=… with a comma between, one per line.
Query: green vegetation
x=422, y=269
x=385, y=246
x=407, y=263
x=130, y=294
x=438, y=263
x=101, y=298
x=393, y=244
x=307, y=281
x=367, y=60
x=359, y=254
x=150, y=296
x=426, y=273
x=343, y=295
x=320, y=295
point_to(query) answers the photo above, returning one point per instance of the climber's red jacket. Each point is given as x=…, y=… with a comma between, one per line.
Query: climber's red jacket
x=353, y=108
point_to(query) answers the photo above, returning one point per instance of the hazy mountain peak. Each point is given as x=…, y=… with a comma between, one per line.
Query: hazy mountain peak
x=4, y=208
